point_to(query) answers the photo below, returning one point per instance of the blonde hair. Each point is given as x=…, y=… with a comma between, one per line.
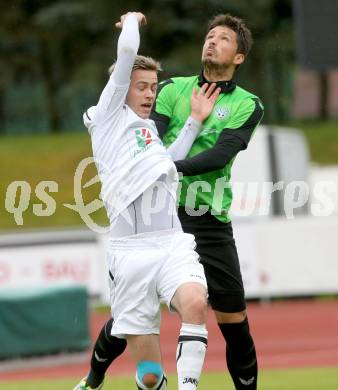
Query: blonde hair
x=141, y=62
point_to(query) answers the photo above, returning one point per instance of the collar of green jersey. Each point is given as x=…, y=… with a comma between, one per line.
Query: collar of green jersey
x=226, y=86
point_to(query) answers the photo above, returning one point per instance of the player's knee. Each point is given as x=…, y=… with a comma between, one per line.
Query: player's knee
x=148, y=374
x=199, y=305
x=190, y=301
x=196, y=307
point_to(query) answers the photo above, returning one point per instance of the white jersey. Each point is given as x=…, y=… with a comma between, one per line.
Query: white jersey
x=127, y=150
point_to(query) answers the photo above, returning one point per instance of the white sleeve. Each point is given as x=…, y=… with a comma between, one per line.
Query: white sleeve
x=127, y=48
x=180, y=148
x=88, y=119
x=113, y=95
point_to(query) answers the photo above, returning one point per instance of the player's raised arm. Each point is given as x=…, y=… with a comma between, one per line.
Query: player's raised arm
x=128, y=45
x=114, y=93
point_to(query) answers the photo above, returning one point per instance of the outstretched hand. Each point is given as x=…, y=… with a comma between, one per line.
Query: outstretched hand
x=142, y=20
x=203, y=101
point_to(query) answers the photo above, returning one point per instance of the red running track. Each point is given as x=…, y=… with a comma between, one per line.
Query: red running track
x=296, y=333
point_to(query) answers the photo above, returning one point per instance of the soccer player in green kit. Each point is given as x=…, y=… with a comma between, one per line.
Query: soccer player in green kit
x=215, y=144
x=222, y=135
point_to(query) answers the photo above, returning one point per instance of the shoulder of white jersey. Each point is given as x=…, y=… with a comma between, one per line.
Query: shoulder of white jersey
x=88, y=118
x=153, y=124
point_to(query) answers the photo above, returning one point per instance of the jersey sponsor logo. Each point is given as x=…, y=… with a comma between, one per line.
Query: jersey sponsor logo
x=222, y=113
x=188, y=379
x=207, y=132
x=143, y=137
x=247, y=382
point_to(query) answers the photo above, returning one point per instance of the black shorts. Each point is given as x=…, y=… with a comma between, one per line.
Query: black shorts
x=217, y=249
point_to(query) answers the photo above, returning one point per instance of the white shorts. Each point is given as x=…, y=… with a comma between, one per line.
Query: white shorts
x=146, y=270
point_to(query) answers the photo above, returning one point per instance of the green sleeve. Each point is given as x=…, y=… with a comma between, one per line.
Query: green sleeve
x=249, y=110
x=166, y=97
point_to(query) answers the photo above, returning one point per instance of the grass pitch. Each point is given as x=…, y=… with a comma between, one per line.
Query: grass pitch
x=291, y=379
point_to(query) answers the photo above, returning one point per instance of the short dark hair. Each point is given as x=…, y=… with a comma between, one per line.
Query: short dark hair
x=244, y=36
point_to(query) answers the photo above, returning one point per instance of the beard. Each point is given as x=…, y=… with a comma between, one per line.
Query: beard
x=211, y=66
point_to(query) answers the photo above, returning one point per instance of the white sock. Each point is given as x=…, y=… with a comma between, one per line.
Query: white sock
x=191, y=349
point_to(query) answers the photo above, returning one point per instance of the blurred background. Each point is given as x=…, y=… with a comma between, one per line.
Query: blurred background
x=55, y=54
x=54, y=60
x=53, y=65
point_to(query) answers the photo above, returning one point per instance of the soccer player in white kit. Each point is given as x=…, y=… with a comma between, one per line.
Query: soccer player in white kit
x=150, y=259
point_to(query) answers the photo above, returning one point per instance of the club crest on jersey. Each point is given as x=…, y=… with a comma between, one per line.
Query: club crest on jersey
x=222, y=113
x=143, y=137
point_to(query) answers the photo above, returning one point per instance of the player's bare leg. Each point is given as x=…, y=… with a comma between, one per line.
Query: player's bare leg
x=145, y=350
x=190, y=301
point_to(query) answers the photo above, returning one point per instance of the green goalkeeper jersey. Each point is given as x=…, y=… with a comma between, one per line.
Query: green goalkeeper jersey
x=228, y=129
